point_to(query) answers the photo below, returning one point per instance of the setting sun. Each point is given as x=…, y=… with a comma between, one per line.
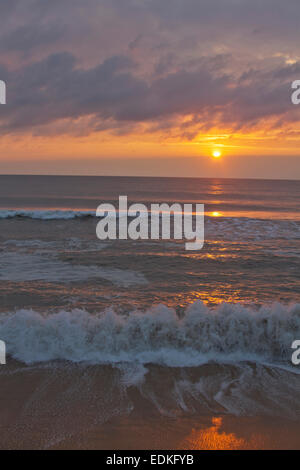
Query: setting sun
x=216, y=154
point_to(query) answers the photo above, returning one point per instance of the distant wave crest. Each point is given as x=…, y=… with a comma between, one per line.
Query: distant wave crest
x=222, y=228
x=45, y=214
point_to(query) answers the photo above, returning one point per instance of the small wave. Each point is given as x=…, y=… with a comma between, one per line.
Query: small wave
x=222, y=228
x=22, y=267
x=46, y=214
x=228, y=334
x=244, y=228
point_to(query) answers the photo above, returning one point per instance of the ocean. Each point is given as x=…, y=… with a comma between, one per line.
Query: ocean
x=142, y=343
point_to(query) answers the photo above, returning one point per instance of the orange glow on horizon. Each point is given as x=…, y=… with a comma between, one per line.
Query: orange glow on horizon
x=216, y=214
x=52, y=151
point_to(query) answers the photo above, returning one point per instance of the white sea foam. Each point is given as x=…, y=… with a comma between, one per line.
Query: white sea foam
x=43, y=246
x=20, y=267
x=228, y=334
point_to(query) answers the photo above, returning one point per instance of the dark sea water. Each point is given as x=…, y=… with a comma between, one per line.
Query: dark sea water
x=205, y=332
x=51, y=257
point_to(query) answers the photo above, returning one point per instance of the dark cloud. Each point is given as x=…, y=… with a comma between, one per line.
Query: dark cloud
x=125, y=62
x=27, y=37
x=56, y=88
x=230, y=23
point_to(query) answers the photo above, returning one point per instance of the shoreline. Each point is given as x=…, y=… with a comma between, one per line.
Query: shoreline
x=69, y=406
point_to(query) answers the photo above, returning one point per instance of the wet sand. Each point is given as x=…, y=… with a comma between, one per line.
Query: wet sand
x=193, y=433
x=69, y=406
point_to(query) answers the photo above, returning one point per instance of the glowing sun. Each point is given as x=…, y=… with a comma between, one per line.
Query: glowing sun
x=216, y=154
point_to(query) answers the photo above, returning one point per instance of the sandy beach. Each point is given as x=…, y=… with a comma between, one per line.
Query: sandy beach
x=92, y=407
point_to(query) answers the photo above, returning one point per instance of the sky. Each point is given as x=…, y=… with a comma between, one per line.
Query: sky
x=150, y=87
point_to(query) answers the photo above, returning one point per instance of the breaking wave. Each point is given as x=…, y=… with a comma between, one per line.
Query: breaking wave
x=227, y=334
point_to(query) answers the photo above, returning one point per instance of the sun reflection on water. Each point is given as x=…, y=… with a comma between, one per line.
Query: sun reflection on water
x=213, y=438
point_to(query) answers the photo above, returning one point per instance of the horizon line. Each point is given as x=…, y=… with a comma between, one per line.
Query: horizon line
x=147, y=176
